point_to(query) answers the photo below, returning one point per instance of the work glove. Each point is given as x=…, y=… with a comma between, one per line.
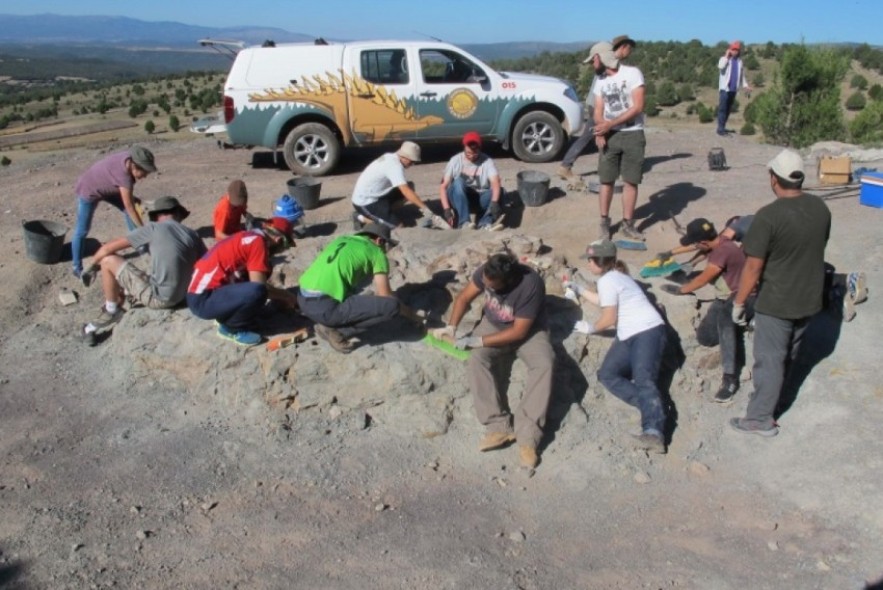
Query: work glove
x=451, y=217
x=672, y=289
x=575, y=287
x=571, y=295
x=88, y=275
x=469, y=342
x=739, y=317
x=584, y=327
x=495, y=210
x=448, y=333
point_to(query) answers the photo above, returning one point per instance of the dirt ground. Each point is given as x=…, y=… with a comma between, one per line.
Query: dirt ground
x=111, y=481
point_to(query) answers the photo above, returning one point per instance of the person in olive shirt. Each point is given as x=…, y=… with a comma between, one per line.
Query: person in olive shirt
x=785, y=257
x=328, y=288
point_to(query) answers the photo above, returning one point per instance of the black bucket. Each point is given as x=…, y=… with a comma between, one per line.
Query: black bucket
x=533, y=187
x=44, y=240
x=305, y=191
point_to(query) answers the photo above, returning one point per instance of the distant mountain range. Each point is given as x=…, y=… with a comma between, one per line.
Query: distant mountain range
x=158, y=46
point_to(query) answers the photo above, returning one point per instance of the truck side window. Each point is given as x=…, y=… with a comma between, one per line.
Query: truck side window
x=446, y=67
x=385, y=66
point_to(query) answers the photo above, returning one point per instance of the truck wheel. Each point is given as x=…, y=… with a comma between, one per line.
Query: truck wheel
x=537, y=137
x=311, y=149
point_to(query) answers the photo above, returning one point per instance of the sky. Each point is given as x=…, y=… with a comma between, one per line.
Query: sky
x=494, y=21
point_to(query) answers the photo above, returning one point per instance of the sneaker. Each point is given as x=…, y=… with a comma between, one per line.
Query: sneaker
x=106, y=319
x=495, y=440
x=468, y=225
x=605, y=228
x=629, y=231
x=498, y=225
x=848, y=308
x=856, y=285
x=528, y=456
x=722, y=132
x=334, y=338
x=240, y=337
x=648, y=441
x=89, y=335
x=729, y=387
x=742, y=425
x=566, y=173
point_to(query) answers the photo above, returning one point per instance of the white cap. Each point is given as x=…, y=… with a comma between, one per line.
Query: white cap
x=788, y=165
x=409, y=150
x=596, y=49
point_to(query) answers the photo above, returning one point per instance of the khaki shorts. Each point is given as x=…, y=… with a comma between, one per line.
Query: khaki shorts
x=136, y=282
x=624, y=155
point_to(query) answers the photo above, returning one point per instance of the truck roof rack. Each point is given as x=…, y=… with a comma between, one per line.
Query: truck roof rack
x=224, y=47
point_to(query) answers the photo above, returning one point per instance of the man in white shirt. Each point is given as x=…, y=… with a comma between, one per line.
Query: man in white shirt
x=471, y=181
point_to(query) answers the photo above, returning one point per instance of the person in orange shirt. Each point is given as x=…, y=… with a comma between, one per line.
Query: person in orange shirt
x=230, y=210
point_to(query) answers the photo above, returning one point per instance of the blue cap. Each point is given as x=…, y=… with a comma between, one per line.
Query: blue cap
x=288, y=208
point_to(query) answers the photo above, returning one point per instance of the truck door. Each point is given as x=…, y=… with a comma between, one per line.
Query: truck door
x=457, y=92
x=380, y=94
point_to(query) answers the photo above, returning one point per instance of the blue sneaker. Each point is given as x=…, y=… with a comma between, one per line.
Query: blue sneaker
x=240, y=337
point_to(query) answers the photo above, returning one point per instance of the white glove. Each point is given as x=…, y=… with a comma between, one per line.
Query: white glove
x=571, y=295
x=739, y=317
x=584, y=327
x=573, y=286
x=469, y=342
x=447, y=333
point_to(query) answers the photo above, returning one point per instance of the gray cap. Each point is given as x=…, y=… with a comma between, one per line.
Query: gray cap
x=600, y=249
x=143, y=158
x=409, y=150
x=788, y=165
x=378, y=231
x=167, y=205
x=596, y=49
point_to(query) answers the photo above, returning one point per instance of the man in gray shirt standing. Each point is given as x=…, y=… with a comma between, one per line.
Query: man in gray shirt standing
x=174, y=249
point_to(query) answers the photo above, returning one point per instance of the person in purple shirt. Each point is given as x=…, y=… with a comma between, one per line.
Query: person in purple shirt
x=111, y=179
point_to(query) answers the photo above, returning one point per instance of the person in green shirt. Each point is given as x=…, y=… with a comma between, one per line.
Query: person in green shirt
x=329, y=288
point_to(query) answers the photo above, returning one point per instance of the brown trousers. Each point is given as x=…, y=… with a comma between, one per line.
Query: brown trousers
x=489, y=370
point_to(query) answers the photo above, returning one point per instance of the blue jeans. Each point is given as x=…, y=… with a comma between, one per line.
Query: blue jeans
x=574, y=151
x=351, y=316
x=629, y=371
x=717, y=327
x=236, y=306
x=85, y=212
x=460, y=197
x=724, y=105
x=776, y=344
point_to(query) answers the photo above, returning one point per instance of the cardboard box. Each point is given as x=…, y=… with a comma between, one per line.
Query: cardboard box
x=872, y=190
x=834, y=170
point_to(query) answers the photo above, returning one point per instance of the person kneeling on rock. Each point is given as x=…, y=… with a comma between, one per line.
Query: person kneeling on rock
x=328, y=288
x=513, y=324
x=229, y=284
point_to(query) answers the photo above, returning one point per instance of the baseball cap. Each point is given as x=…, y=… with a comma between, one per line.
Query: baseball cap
x=472, y=137
x=788, y=165
x=737, y=45
x=622, y=40
x=167, y=205
x=596, y=49
x=409, y=150
x=281, y=225
x=609, y=59
x=699, y=230
x=143, y=158
x=600, y=249
x=379, y=231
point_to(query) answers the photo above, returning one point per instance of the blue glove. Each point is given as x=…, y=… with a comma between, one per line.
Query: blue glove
x=469, y=342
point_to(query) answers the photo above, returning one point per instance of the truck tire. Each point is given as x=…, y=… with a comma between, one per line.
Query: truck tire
x=311, y=149
x=537, y=137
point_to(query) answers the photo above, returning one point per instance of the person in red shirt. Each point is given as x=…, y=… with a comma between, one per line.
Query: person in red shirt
x=230, y=210
x=229, y=284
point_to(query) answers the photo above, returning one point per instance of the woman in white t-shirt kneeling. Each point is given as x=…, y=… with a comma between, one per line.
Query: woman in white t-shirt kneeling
x=631, y=367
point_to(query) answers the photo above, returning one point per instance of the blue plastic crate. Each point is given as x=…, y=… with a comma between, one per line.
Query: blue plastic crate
x=872, y=190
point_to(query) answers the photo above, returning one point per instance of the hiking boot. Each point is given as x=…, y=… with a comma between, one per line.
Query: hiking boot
x=650, y=442
x=566, y=173
x=629, y=231
x=745, y=427
x=528, y=456
x=106, y=319
x=729, y=387
x=848, y=308
x=605, y=228
x=240, y=337
x=495, y=440
x=337, y=341
x=856, y=285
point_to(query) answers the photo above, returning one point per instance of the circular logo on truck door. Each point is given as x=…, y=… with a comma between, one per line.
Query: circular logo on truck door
x=462, y=103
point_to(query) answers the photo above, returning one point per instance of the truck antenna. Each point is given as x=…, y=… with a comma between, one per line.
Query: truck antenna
x=426, y=35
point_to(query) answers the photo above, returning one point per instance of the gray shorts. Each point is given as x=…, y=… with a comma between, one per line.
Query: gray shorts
x=623, y=155
x=136, y=282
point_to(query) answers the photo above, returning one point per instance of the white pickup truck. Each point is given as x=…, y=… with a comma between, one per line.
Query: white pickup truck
x=316, y=99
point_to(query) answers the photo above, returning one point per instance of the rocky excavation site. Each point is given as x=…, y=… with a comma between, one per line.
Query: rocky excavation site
x=166, y=457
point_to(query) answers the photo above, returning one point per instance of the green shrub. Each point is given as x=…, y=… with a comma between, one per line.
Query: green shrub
x=149, y=127
x=706, y=115
x=174, y=123
x=747, y=129
x=875, y=92
x=867, y=127
x=858, y=81
x=856, y=101
x=4, y=161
